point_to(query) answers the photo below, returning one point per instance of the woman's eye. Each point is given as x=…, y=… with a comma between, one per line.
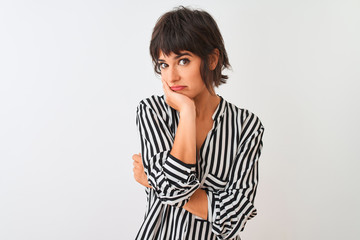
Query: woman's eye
x=163, y=65
x=184, y=61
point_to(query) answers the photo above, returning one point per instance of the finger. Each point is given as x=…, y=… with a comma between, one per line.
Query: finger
x=139, y=161
x=165, y=86
x=137, y=165
x=166, y=90
x=136, y=157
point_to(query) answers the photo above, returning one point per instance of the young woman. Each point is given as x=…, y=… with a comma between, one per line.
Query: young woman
x=199, y=152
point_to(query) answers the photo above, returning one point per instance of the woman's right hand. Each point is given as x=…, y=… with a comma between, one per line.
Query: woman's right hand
x=176, y=100
x=139, y=173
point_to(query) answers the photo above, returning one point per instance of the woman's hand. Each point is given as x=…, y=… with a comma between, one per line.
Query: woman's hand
x=139, y=173
x=176, y=100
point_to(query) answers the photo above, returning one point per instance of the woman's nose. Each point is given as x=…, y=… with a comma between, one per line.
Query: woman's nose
x=173, y=74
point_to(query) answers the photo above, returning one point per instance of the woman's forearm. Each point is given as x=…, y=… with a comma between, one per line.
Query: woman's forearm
x=198, y=204
x=184, y=146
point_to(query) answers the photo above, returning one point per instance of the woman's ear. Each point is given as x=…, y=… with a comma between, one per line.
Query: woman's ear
x=213, y=59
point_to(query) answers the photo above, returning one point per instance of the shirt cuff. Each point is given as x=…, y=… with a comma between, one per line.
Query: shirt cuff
x=178, y=171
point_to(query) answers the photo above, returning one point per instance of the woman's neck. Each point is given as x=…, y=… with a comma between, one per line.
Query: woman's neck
x=206, y=104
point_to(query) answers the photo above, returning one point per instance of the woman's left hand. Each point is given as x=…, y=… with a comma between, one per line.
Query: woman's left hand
x=139, y=172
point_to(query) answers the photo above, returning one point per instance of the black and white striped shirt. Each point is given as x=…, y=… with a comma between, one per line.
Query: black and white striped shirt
x=227, y=169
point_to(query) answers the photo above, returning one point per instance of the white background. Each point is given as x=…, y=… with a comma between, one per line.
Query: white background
x=73, y=72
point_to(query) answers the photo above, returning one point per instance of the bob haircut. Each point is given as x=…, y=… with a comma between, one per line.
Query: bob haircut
x=184, y=29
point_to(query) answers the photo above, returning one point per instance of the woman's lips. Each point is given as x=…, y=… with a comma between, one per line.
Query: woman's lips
x=177, y=88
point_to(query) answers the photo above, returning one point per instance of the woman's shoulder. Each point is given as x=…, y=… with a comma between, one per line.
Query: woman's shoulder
x=154, y=103
x=243, y=115
x=151, y=100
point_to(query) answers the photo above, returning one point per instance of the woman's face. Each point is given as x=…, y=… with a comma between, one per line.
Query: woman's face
x=182, y=73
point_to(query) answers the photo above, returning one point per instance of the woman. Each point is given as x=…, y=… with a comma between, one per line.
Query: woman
x=199, y=153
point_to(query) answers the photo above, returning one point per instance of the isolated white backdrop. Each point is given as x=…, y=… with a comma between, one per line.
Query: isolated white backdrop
x=73, y=72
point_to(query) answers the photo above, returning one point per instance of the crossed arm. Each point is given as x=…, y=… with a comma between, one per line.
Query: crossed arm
x=198, y=203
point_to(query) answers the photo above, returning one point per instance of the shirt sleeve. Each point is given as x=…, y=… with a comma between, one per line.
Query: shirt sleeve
x=172, y=180
x=229, y=209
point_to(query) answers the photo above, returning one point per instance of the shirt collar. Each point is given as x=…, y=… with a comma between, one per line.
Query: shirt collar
x=220, y=109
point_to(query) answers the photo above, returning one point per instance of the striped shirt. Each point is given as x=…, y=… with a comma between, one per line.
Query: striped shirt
x=227, y=169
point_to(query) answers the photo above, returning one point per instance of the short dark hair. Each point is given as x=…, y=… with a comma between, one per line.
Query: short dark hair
x=190, y=30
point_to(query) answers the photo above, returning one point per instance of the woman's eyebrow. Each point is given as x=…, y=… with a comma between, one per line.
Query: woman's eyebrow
x=177, y=56
x=182, y=54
